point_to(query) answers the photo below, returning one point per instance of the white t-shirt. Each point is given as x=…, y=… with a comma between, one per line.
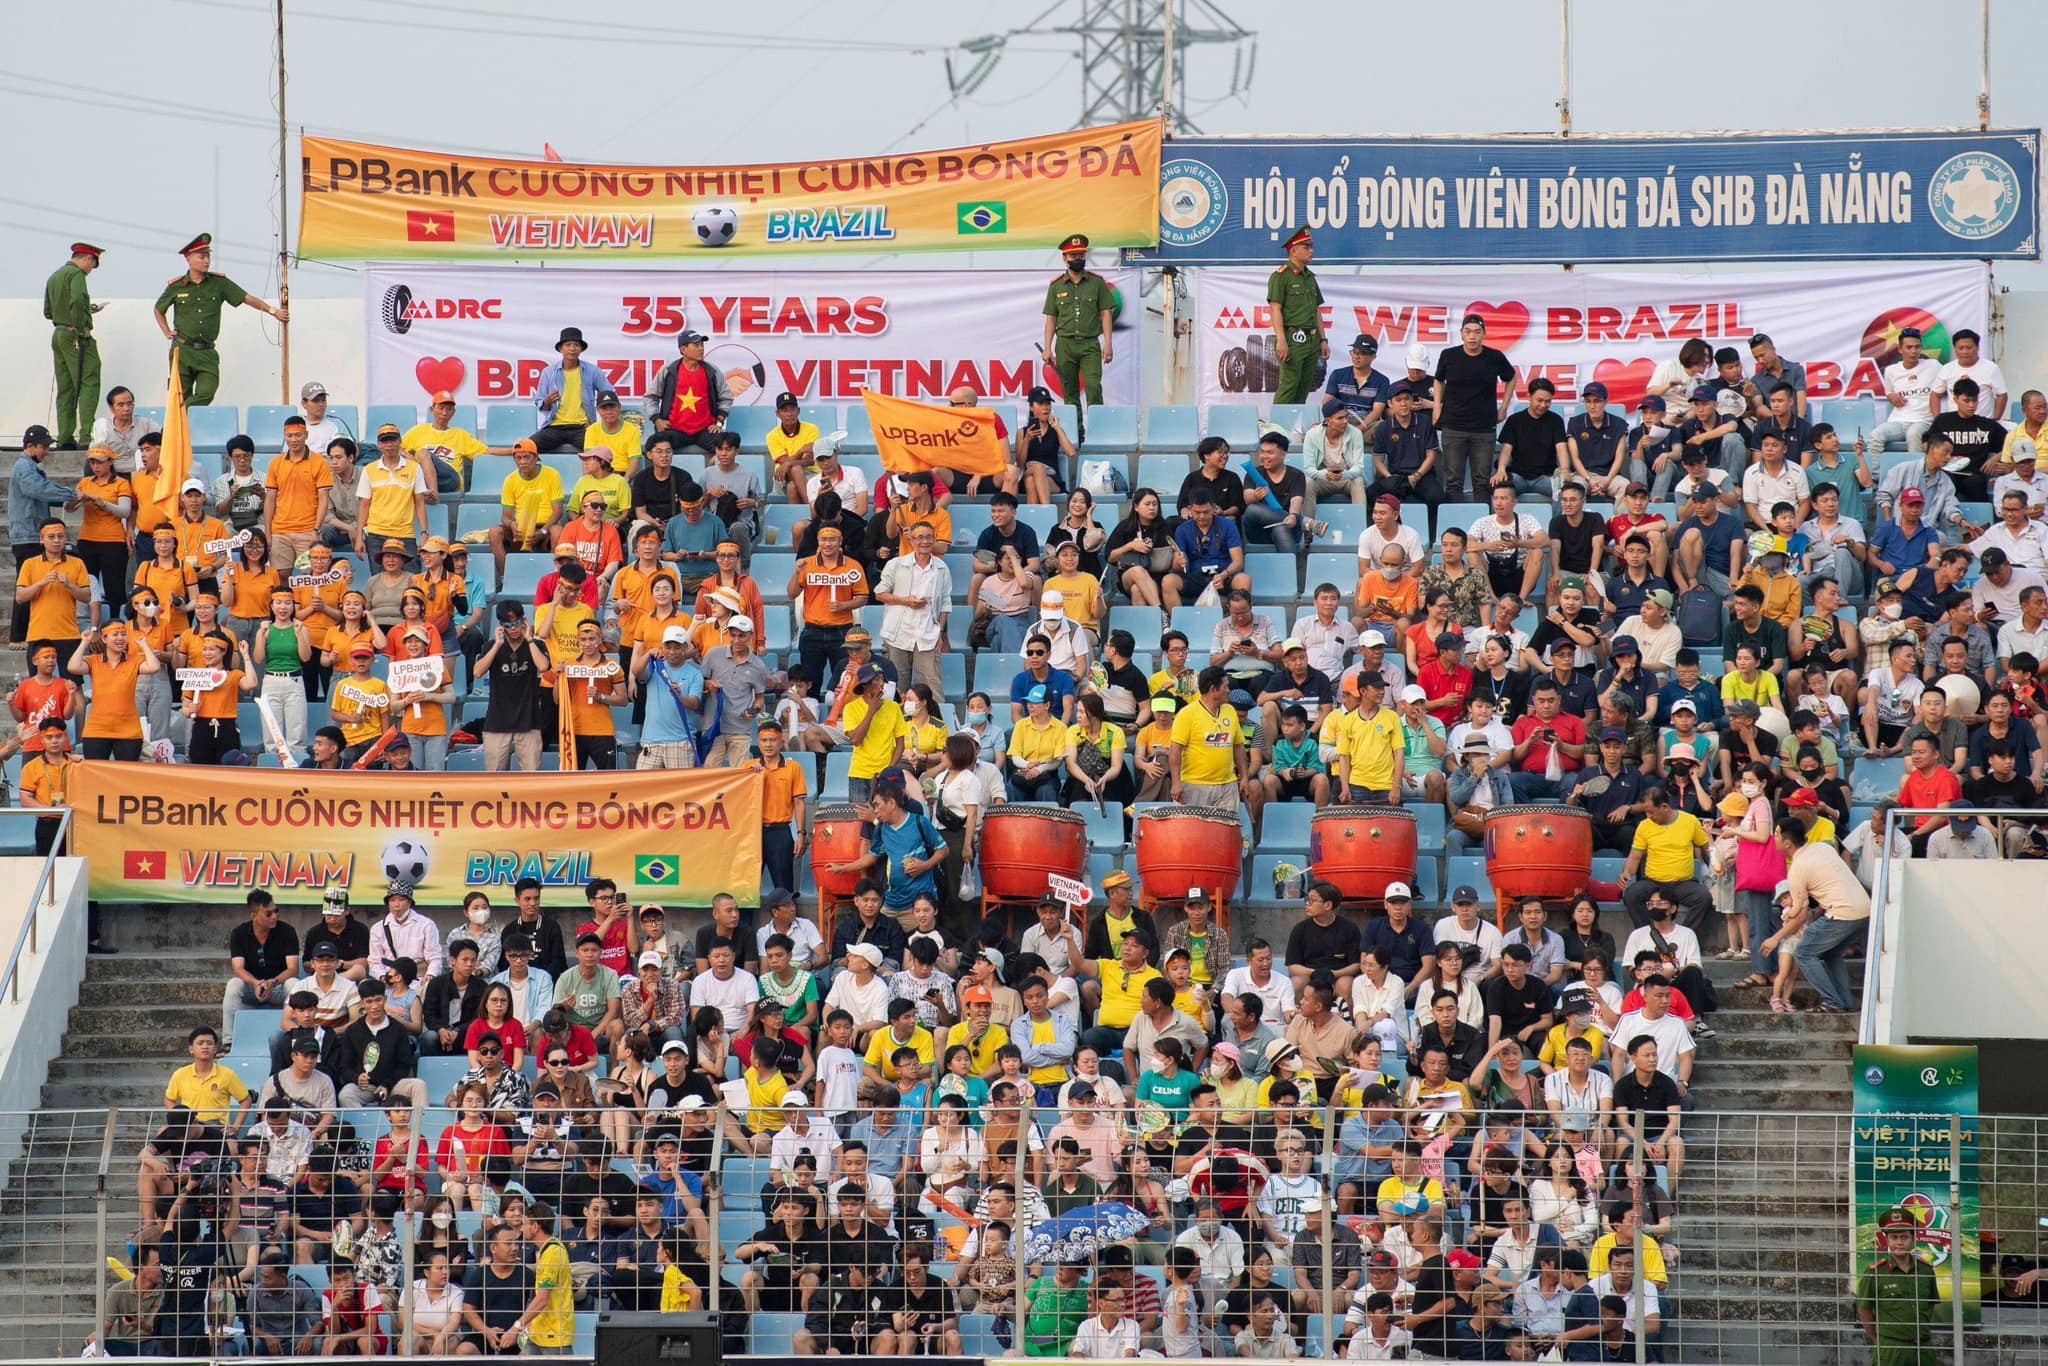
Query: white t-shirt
x=1917, y=386
x=1496, y=732
x=430, y=1312
x=1990, y=381
x=838, y=1079
x=1895, y=700
x=1372, y=542
x=1682, y=939
x=1482, y=934
x=1278, y=994
x=1674, y=1040
x=850, y=485
x=1108, y=1344
x=2034, y=486
x=1283, y=1198
x=734, y=997
x=2028, y=550
x=1761, y=488
x=2014, y=637
x=1399, y=1344
x=867, y=1004
x=802, y=933
x=1658, y=645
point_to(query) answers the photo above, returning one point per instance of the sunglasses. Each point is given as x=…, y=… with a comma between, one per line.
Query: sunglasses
x=488, y=1052
x=1034, y=654
x=558, y=1060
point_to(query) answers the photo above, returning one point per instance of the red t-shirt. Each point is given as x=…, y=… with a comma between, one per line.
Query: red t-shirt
x=691, y=412
x=1571, y=730
x=544, y=591
x=489, y=1141
x=1622, y=523
x=581, y=1046
x=1937, y=787
x=395, y=1178
x=511, y=1033
x=33, y=701
x=1434, y=680
x=615, y=954
x=1680, y=1007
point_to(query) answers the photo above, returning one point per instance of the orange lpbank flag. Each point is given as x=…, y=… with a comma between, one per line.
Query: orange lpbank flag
x=922, y=436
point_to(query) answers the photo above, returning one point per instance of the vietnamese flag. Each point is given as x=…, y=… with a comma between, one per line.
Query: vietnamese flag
x=145, y=865
x=429, y=225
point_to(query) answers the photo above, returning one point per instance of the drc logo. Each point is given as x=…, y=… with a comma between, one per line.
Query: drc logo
x=1974, y=196
x=1192, y=203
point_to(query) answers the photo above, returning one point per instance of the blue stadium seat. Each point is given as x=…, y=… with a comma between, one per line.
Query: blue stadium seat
x=152, y=419
x=1273, y=579
x=465, y=761
x=1286, y=826
x=1111, y=427
x=1164, y=473
x=779, y=522
x=440, y=1074
x=1339, y=567
x=505, y=423
x=344, y=415
x=860, y=433
x=779, y=635
x=471, y=517
x=1469, y=870
x=1463, y=515
x=775, y=1334
x=1067, y=415
x=404, y=416
x=1262, y=886
x=1144, y=623
x=1350, y=520
x=1873, y=780
x=1106, y=827
x=1198, y=624
x=1237, y=423
x=1428, y=885
x=969, y=521
x=977, y=1336
x=1414, y=516
x=266, y=425
x=752, y=424
x=952, y=671
x=1170, y=427
x=253, y=1029
x=523, y=574
x=1429, y=825
x=837, y=764
x=1293, y=417
x=567, y=466
x=211, y=428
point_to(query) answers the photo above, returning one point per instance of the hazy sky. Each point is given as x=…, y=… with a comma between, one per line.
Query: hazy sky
x=141, y=122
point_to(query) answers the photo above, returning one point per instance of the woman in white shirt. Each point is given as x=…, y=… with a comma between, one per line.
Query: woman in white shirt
x=948, y=1136
x=1561, y=1198
x=434, y=1311
x=1450, y=976
x=1379, y=1002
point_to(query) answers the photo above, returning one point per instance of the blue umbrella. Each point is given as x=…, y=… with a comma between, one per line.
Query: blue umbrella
x=1079, y=1234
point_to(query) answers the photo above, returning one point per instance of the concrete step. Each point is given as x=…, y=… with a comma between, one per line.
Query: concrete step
x=165, y=1024
x=187, y=988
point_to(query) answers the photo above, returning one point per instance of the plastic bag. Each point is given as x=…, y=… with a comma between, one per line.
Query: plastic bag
x=970, y=882
x=1101, y=478
x=1211, y=597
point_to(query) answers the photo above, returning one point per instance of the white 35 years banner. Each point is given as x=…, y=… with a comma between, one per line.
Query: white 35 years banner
x=487, y=333
x=1572, y=329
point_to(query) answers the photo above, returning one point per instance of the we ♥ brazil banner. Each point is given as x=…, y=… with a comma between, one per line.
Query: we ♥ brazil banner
x=1579, y=326
x=485, y=333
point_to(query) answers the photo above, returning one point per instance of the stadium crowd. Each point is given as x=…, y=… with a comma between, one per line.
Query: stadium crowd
x=863, y=1126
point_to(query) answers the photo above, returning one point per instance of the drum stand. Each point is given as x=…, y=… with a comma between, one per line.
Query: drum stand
x=1008, y=906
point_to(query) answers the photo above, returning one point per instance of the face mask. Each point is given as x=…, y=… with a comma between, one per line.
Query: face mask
x=1812, y=775
x=1893, y=610
x=911, y=706
x=1208, y=1226
x=479, y=915
x=977, y=718
x=442, y=1218
x=1752, y=790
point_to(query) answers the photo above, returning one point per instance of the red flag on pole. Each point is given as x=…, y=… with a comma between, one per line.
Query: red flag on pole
x=548, y=152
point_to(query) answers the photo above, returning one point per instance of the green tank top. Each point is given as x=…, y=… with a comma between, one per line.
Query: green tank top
x=281, y=652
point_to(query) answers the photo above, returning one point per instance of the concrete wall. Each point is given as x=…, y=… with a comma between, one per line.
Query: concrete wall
x=32, y=1032
x=1979, y=961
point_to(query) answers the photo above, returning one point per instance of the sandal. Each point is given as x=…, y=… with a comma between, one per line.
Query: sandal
x=1755, y=979
x=1780, y=1006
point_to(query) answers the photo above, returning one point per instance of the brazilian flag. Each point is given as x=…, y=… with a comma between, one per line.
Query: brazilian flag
x=657, y=870
x=983, y=218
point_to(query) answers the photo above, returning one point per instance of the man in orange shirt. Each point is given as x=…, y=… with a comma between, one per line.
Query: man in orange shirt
x=294, y=495
x=52, y=585
x=147, y=481
x=46, y=782
x=831, y=588
x=1929, y=784
x=42, y=695
x=783, y=793
x=198, y=529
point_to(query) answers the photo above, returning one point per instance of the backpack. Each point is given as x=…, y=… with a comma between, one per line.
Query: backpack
x=1699, y=617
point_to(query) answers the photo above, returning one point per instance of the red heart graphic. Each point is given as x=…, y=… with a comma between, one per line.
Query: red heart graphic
x=438, y=373
x=1625, y=380
x=1506, y=324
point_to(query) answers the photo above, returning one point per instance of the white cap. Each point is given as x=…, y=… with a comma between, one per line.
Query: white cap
x=742, y=622
x=867, y=951
x=1051, y=598
x=689, y=1102
x=1397, y=891
x=650, y=959
x=192, y=486
x=675, y=1046
x=1414, y=692
x=1418, y=356
x=675, y=635
x=790, y=1098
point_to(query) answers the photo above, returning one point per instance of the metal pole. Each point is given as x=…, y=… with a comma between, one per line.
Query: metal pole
x=1168, y=279
x=1955, y=1231
x=1166, y=72
x=99, y=1261
x=284, y=210
x=714, y=1191
x=1329, y=1238
x=1564, y=65
x=1638, y=1309
x=1984, y=71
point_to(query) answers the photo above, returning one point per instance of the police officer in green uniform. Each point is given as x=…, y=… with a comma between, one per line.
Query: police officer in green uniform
x=1897, y=1298
x=67, y=303
x=1079, y=310
x=1298, y=340
x=196, y=297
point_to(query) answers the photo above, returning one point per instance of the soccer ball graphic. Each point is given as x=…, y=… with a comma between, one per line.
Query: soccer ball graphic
x=405, y=862
x=717, y=225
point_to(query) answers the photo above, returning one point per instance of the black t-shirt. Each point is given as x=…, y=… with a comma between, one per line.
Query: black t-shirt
x=1652, y=1101
x=264, y=960
x=1575, y=543
x=1547, y=630
x=189, y=1268
x=1334, y=946
x=1518, y=1007
x=1022, y=538
x=1226, y=488
x=322, y=1212
x=745, y=943
x=1976, y=439
x=1987, y=791
x=1091, y=560
x=498, y=1300
x=1510, y=694
x=1490, y=1206
x=1470, y=392
x=1121, y=679
x=1434, y=1281
x=1535, y=441
x=929, y=1304
x=579, y=1187
x=871, y=1247
x=658, y=496
x=1289, y=484
x=515, y=691
x=352, y=943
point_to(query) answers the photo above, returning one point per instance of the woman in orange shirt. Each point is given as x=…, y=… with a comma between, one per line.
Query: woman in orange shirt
x=734, y=580
x=708, y=633
x=662, y=590
x=213, y=706
x=250, y=582
x=423, y=713
x=205, y=622
x=164, y=577
x=116, y=661
x=443, y=592
x=109, y=501
x=412, y=612
x=319, y=608
x=633, y=587
x=588, y=684
x=354, y=628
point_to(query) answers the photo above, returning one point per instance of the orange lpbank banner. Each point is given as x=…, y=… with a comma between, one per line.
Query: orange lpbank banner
x=174, y=833
x=365, y=201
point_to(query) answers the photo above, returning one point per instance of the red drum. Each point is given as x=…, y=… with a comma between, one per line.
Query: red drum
x=836, y=837
x=1021, y=844
x=1180, y=847
x=1362, y=848
x=1544, y=851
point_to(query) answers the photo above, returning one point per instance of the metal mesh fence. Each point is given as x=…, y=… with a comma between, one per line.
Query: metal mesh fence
x=978, y=1228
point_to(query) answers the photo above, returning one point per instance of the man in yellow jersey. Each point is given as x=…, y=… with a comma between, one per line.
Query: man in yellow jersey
x=445, y=448
x=1207, y=757
x=360, y=704
x=1371, y=743
x=566, y=397
x=391, y=497
x=1115, y=989
x=614, y=437
x=978, y=1033
x=530, y=505
x=551, y=1319
x=878, y=1064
